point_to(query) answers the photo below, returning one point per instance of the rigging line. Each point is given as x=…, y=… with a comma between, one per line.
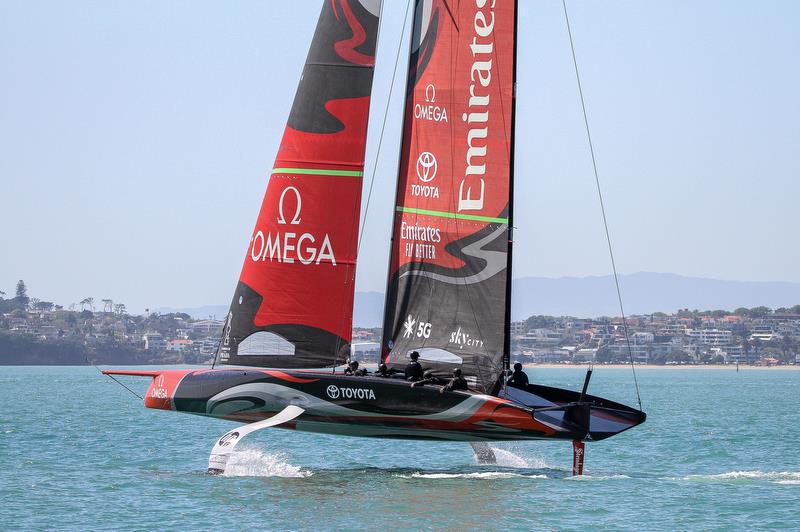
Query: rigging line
x=383, y=125
x=118, y=382
x=602, y=206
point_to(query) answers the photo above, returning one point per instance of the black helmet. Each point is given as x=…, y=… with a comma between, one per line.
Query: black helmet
x=457, y=372
x=414, y=355
x=517, y=366
x=428, y=374
x=382, y=368
x=354, y=364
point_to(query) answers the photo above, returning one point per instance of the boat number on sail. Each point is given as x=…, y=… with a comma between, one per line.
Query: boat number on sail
x=290, y=246
x=422, y=329
x=334, y=392
x=430, y=110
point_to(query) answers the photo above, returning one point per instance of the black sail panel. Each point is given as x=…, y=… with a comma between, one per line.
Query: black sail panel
x=448, y=272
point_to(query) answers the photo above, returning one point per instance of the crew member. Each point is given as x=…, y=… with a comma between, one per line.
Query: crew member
x=352, y=369
x=518, y=379
x=427, y=378
x=456, y=383
x=383, y=371
x=414, y=368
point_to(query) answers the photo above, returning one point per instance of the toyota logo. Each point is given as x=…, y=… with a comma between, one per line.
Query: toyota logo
x=426, y=166
x=333, y=391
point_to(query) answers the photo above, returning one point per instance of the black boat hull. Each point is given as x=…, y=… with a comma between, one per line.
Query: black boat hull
x=386, y=408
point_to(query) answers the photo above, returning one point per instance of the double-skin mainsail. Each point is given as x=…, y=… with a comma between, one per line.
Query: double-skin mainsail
x=447, y=294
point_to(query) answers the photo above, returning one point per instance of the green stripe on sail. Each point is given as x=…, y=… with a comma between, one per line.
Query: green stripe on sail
x=316, y=171
x=453, y=215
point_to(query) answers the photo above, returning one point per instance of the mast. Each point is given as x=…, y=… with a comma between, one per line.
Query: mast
x=507, y=327
x=409, y=87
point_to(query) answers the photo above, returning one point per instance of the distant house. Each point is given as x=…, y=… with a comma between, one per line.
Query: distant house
x=207, y=327
x=48, y=332
x=179, y=345
x=154, y=342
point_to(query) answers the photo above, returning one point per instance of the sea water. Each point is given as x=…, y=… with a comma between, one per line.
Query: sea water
x=719, y=451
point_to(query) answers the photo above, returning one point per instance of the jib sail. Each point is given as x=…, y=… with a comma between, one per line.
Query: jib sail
x=293, y=304
x=448, y=272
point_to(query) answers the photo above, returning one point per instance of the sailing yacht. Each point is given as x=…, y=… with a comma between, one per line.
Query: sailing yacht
x=289, y=326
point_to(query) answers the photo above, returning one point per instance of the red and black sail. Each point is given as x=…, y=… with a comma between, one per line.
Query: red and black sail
x=293, y=304
x=449, y=266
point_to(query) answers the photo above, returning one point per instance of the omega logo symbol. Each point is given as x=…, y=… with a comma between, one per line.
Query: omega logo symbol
x=296, y=219
x=430, y=93
x=333, y=391
x=426, y=166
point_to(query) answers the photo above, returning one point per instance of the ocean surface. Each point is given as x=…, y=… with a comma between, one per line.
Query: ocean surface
x=719, y=451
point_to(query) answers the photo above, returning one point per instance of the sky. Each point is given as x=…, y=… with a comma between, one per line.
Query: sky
x=136, y=139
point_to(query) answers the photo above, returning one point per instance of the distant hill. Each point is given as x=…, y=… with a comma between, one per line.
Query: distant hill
x=642, y=293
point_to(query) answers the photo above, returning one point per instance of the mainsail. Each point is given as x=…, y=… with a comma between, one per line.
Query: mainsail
x=293, y=304
x=449, y=268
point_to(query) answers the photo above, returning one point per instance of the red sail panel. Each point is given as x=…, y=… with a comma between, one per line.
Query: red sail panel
x=446, y=294
x=293, y=304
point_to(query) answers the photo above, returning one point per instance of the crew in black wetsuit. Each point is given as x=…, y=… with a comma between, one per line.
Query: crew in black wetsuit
x=427, y=378
x=414, y=369
x=518, y=379
x=352, y=369
x=456, y=383
x=382, y=371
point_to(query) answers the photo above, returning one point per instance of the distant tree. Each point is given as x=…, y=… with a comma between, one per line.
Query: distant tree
x=71, y=306
x=742, y=311
x=119, y=309
x=759, y=312
x=745, y=346
x=2, y=295
x=795, y=309
x=787, y=346
x=90, y=302
x=33, y=303
x=21, y=298
x=756, y=343
x=108, y=304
